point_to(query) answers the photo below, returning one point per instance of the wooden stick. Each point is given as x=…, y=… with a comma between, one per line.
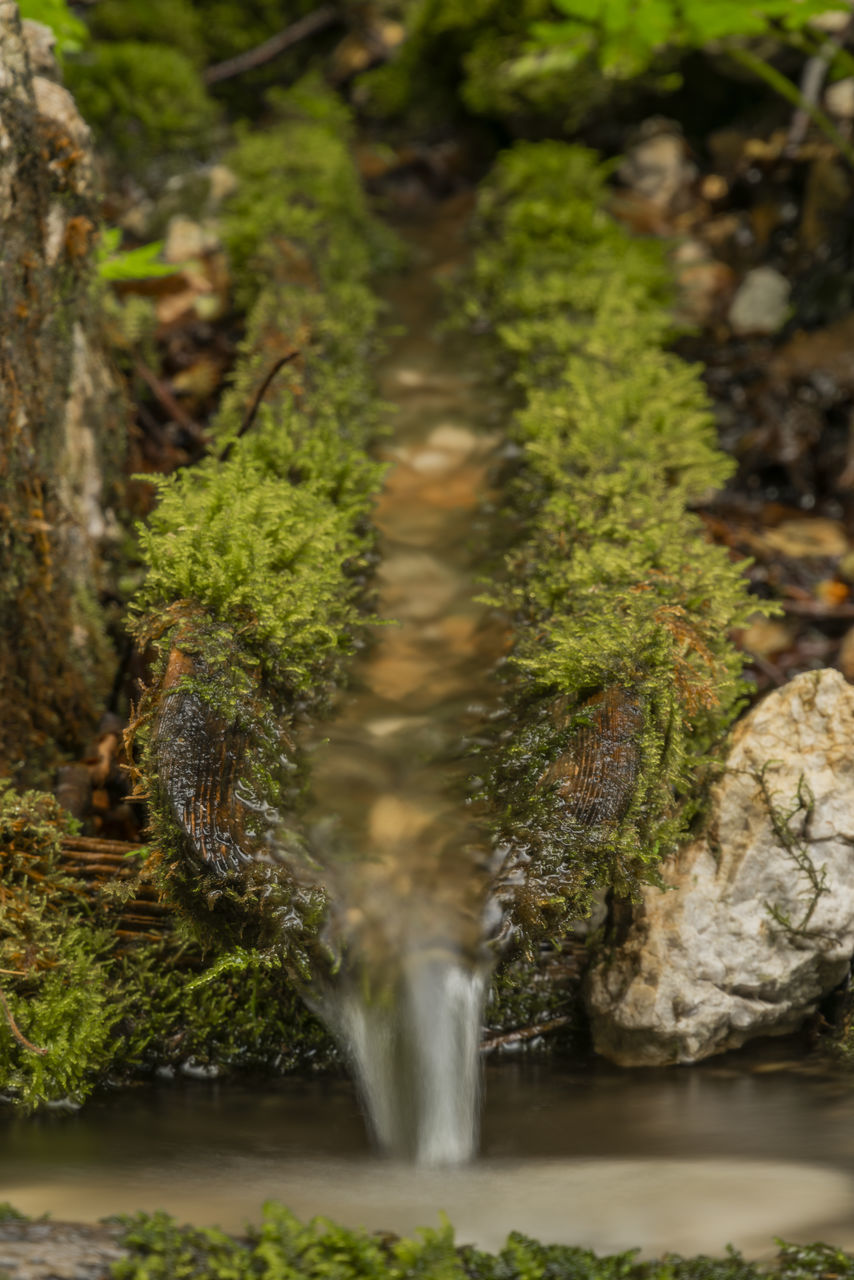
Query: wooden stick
x=525, y=1033
x=323, y=17
x=14, y=1028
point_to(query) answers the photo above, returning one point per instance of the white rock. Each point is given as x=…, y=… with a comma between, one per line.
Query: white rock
x=706, y=966
x=761, y=302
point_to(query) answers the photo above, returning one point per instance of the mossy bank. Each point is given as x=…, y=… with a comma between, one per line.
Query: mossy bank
x=622, y=678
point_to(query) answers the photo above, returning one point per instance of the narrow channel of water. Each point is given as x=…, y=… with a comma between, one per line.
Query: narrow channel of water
x=403, y=861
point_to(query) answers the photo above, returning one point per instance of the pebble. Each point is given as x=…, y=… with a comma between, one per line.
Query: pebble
x=186, y=239
x=761, y=302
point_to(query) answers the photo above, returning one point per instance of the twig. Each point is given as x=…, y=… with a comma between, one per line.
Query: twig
x=256, y=403
x=787, y=89
x=812, y=80
x=169, y=403
x=16, y=1032
x=323, y=17
x=525, y=1033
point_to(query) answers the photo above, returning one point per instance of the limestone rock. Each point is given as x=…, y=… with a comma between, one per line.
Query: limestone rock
x=756, y=920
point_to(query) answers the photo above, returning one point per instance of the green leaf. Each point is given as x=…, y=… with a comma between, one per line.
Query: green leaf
x=135, y=264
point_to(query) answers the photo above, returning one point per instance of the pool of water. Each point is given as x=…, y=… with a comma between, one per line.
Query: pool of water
x=684, y=1159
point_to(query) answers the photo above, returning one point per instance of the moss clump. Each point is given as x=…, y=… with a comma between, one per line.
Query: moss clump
x=53, y=958
x=461, y=58
x=104, y=1008
x=624, y=673
x=300, y=195
x=146, y=101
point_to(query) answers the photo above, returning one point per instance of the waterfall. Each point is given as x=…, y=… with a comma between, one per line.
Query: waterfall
x=414, y=1049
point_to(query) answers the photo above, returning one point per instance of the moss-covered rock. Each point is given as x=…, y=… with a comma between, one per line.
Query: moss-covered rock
x=259, y=557
x=625, y=677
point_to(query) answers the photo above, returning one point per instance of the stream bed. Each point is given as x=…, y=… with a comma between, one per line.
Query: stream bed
x=686, y=1159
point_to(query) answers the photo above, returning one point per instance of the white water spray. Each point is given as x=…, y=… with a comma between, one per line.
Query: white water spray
x=415, y=1052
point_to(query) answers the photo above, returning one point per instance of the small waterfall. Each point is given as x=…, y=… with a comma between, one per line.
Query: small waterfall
x=414, y=1047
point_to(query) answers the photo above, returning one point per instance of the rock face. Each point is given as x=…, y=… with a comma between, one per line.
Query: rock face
x=62, y=421
x=756, y=920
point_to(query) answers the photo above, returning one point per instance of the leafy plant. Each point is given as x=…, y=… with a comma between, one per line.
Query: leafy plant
x=625, y=37
x=142, y=263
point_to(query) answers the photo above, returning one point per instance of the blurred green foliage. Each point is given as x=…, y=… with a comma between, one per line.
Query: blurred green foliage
x=624, y=38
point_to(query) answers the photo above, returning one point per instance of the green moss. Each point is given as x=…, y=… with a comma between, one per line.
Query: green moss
x=476, y=58
x=624, y=673
x=146, y=101
x=300, y=194
x=282, y=1246
x=149, y=21
x=104, y=1008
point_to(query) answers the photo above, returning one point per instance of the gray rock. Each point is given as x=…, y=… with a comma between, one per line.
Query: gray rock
x=756, y=920
x=761, y=302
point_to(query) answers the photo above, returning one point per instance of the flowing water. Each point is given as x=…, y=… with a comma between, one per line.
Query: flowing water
x=403, y=860
x=684, y=1159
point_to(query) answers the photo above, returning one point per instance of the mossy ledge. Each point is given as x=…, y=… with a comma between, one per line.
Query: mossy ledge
x=622, y=677
x=259, y=557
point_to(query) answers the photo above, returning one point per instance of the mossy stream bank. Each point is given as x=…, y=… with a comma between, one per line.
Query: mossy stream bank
x=259, y=589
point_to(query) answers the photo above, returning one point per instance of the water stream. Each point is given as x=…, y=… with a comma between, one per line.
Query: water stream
x=403, y=859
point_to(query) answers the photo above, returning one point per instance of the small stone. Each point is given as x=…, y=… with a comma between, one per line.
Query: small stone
x=839, y=98
x=811, y=536
x=452, y=438
x=223, y=183
x=761, y=302
x=41, y=45
x=767, y=636
x=657, y=168
x=186, y=239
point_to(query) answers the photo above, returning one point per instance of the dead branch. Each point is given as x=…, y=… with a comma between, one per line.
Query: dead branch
x=524, y=1033
x=300, y=30
x=15, y=1029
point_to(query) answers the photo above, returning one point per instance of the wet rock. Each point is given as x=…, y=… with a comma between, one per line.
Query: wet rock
x=755, y=922
x=45, y=1250
x=761, y=302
